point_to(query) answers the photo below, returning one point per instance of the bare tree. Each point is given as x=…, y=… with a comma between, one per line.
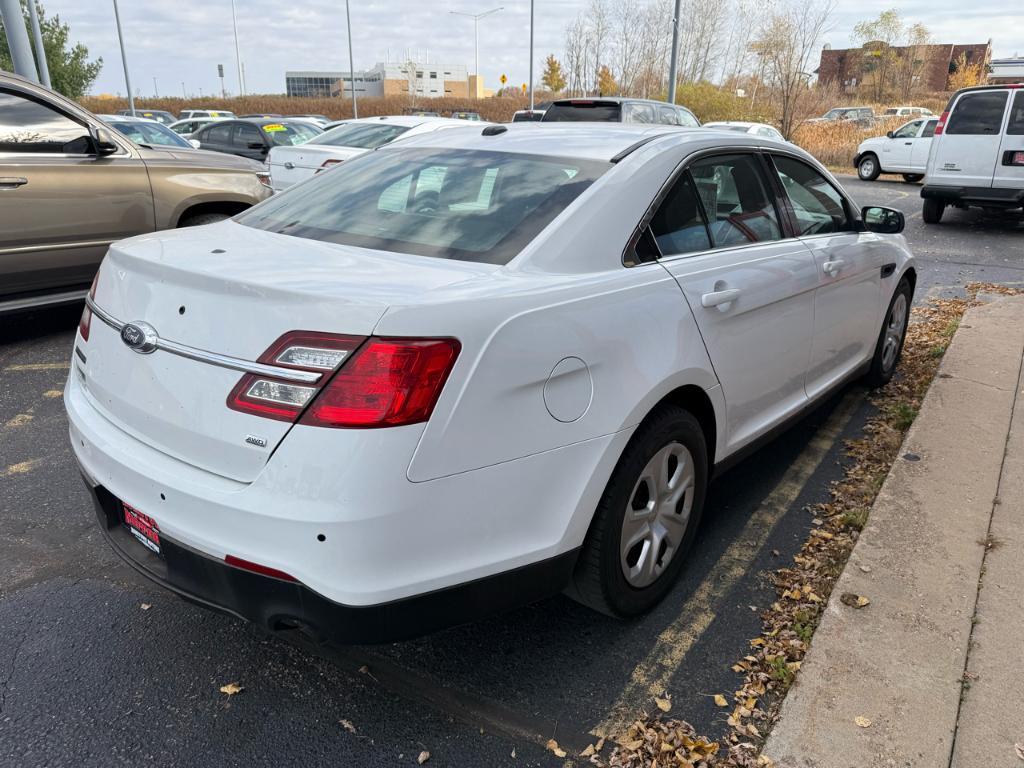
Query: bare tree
x=787, y=47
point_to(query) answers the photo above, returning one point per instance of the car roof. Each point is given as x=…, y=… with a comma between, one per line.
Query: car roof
x=606, y=142
x=743, y=123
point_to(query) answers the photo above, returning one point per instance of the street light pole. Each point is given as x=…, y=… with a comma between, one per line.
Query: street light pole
x=476, y=38
x=37, y=37
x=156, y=93
x=124, y=61
x=17, y=39
x=238, y=58
x=351, y=63
x=675, y=54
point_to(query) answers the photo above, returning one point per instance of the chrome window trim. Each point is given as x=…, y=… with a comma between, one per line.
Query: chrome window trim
x=212, y=358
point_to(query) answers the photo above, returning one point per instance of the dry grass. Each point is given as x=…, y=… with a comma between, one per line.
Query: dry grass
x=835, y=143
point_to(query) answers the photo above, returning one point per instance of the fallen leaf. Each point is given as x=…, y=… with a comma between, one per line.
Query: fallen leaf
x=231, y=689
x=513, y=753
x=720, y=700
x=853, y=600
x=347, y=725
x=146, y=606
x=865, y=568
x=862, y=721
x=424, y=756
x=664, y=704
x=553, y=747
x=588, y=751
x=1018, y=748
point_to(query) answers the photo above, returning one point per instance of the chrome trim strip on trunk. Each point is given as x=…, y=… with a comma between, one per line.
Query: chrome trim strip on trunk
x=212, y=358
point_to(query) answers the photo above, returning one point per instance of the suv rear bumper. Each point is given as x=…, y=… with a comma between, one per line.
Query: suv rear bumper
x=285, y=607
x=996, y=197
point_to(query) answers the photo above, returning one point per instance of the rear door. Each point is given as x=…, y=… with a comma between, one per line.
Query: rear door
x=247, y=140
x=60, y=204
x=849, y=264
x=967, y=153
x=1010, y=166
x=750, y=290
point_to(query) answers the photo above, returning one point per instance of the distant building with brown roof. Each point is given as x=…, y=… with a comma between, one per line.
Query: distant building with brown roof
x=850, y=67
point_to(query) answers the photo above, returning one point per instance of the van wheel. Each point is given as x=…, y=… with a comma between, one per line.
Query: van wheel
x=890, y=338
x=912, y=178
x=867, y=168
x=932, y=210
x=646, y=519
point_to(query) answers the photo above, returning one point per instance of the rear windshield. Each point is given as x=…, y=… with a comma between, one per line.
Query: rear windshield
x=360, y=135
x=471, y=206
x=584, y=111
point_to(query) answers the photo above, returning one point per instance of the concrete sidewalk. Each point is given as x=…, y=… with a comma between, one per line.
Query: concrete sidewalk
x=936, y=661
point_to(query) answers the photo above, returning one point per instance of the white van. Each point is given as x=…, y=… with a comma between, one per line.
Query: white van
x=977, y=154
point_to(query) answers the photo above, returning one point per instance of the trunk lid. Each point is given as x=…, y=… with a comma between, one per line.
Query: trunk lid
x=231, y=290
x=290, y=165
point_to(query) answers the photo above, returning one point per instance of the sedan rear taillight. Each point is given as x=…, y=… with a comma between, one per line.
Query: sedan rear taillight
x=366, y=383
x=275, y=398
x=85, y=322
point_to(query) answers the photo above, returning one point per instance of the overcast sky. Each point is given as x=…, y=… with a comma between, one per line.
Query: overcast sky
x=183, y=41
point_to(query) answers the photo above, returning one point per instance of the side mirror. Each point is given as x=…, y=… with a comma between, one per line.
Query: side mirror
x=890, y=135
x=103, y=145
x=195, y=143
x=885, y=221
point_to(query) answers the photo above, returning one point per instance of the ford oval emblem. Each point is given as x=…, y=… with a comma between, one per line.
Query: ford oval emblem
x=140, y=337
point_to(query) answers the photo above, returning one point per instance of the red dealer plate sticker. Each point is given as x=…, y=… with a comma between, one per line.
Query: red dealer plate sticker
x=143, y=527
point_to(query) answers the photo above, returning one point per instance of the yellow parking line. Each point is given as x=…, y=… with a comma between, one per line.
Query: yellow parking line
x=21, y=468
x=652, y=676
x=38, y=367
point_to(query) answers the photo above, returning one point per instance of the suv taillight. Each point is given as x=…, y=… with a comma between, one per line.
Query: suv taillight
x=387, y=383
x=85, y=322
x=302, y=350
x=366, y=383
x=941, y=125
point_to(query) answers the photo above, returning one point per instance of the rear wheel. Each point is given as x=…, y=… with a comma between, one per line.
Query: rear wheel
x=647, y=517
x=867, y=168
x=912, y=178
x=932, y=210
x=890, y=338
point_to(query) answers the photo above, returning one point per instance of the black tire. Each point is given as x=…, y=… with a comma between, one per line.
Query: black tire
x=599, y=580
x=912, y=178
x=932, y=210
x=882, y=367
x=868, y=167
x=202, y=218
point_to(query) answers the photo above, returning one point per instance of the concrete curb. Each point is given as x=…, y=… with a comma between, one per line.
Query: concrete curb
x=900, y=662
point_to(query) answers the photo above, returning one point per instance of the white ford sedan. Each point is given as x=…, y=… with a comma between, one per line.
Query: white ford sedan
x=470, y=370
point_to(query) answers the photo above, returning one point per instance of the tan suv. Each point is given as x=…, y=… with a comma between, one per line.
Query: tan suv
x=70, y=186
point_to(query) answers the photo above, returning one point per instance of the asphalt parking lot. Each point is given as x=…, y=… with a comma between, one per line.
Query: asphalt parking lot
x=89, y=677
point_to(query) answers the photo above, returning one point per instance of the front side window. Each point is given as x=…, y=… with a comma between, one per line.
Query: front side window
x=469, y=205
x=678, y=226
x=929, y=129
x=686, y=118
x=908, y=131
x=817, y=205
x=668, y=116
x=217, y=134
x=979, y=113
x=736, y=200
x=246, y=134
x=30, y=126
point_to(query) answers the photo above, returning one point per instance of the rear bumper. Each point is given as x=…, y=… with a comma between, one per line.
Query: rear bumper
x=284, y=606
x=997, y=197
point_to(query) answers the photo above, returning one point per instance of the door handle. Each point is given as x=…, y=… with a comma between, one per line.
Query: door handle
x=717, y=298
x=834, y=267
x=12, y=182
x=909, y=143
x=289, y=165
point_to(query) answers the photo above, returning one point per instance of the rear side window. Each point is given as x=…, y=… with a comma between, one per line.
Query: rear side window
x=467, y=205
x=1016, y=124
x=979, y=113
x=678, y=226
x=817, y=205
x=30, y=126
x=583, y=111
x=736, y=200
x=636, y=112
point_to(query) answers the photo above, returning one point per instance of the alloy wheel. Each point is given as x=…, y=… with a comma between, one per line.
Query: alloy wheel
x=894, y=326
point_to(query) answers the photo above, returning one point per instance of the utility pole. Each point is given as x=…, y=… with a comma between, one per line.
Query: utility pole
x=351, y=65
x=124, y=61
x=156, y=93
x=238, y=58
x=531, y=55
x=220, y=74
x=37, y=37
x=674, y=61
x=183, y=94
x=17, y=39
x=476, y=39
